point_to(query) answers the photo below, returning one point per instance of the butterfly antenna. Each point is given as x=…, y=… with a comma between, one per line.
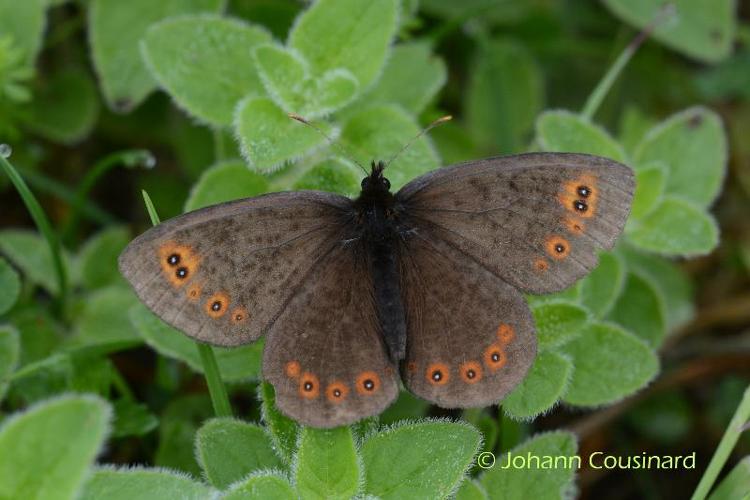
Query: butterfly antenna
x=429, y=127
x=339, y=147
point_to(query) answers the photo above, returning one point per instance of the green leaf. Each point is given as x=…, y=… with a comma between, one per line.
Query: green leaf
x=235, y=364
x=600, y=289
x=651, y=183
x=471, y=490
x=65, y=108
x=377, y=133
x=284, y=430
x=104, y=318
x=334, y=174
x=676, y=227
x=565, y=132
x=288, y=81
x=228, y=450
x=98, y=257
x=517, y=483
x=24, y=23
x=736, y=484
x=411, y=78
x=674, y=285
x=350, y=34
x=132, y=419
x=558, y=323
x=610, y=363
x=29, y=252
x=143, y=484
x=115, y=29
x=204, y=63
x=10, y=348
x=450, y=446
x=543, y=386
x=633, y=126
x=407, y=406
x=60, y=438
x=262, y=486
x=701, y=30
x=269, y=138
x=505, y=94
x=225, y=181
x=326, y=463
x=179, y=423
x=693, y=145
x=10, y=284
x=39, y=331
x=640, y=309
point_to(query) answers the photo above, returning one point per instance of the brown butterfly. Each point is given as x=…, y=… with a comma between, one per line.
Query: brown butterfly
x=424, y=285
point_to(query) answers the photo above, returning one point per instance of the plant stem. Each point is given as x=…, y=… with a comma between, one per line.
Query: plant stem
x=44, y=226
x=216, y=388
x=736, y=427
x=220, y=153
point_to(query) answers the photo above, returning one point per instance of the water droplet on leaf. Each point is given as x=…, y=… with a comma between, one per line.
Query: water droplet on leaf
x=5, y=150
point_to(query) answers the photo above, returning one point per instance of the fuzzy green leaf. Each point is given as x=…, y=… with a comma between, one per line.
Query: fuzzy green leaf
x=261, y=486
x=471, y=490
x=676, y=227
x=284, y=430
x=327, y=465
x=104, y=318
x=411, y=78
x=693, y=145
x=701, y=30
x=29, y=252
x=350, y=34
x=179, y=423
x=451, y=447
x=334, y=174
x=287, y=79
x=10, y=350
x=640, y=309
x=235, y=364
x=204, y=63
x=610, y=363
x=651, y=183
x=558, y=323
x=518, y=483
x=269, y=138
x=600, y=289
x=10, y=284
x=228, y=450
x=60, y=438
x=132, y=419
x=225, y=181
x=736, y=484
x=24, y=23
x=563, y=131
x=98, y=257
x=143, y=484
x=504, y=96
x=543, y=386
x=378, y=132
x=115, y=29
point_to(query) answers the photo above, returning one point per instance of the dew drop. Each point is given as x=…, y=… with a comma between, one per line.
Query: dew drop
x=5, y=150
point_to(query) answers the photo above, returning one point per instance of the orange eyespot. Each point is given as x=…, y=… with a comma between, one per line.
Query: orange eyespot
x=368, y=383
x=541, y=265
x=239, y=314
x=217, y=305
x=494, y=357
x=309, y=387
x=292, y=369
x=411, y=367
x=438, y=374
x=574, y=225
x=579, y=196
x=194, y=292
x=557, y=247
x=336, y=392
x=471, y=372
x=178, y=262
x=505, y=333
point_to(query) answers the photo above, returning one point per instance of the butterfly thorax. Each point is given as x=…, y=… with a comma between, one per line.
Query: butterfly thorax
x=375, y=207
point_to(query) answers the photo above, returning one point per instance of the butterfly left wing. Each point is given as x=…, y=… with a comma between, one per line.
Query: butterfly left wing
x=470, y=335
x=325, y=355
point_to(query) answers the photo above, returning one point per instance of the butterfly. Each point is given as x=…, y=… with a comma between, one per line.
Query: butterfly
x=354, y=296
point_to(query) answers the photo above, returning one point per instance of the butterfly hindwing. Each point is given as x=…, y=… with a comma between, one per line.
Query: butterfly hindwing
x=325, y=355
x=535, y=220
x=470, y=335
x=222, y=274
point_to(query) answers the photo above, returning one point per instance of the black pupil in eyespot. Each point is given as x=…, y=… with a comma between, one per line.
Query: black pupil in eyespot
x=337, y=393
x=559, y=248
x=308, y=386
x=216, y=306
x=471, y=374
x=182, y=272
x=436, y=375
x=580, y=206
x=369, y=384
x=584, y=191
x=495, y=356
x=173, y=259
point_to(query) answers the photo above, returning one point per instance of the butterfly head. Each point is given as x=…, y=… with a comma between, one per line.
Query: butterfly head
x=375, y=182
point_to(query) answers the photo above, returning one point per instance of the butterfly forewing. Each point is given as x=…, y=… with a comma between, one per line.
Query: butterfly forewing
x=470, y=335
x=224, y=273
x=325, y=355
x=535, y=220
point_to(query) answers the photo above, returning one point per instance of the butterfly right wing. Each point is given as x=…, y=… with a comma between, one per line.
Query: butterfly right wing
x=224, y=273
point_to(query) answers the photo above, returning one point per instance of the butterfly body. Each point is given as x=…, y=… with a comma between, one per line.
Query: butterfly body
x=425, y=285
